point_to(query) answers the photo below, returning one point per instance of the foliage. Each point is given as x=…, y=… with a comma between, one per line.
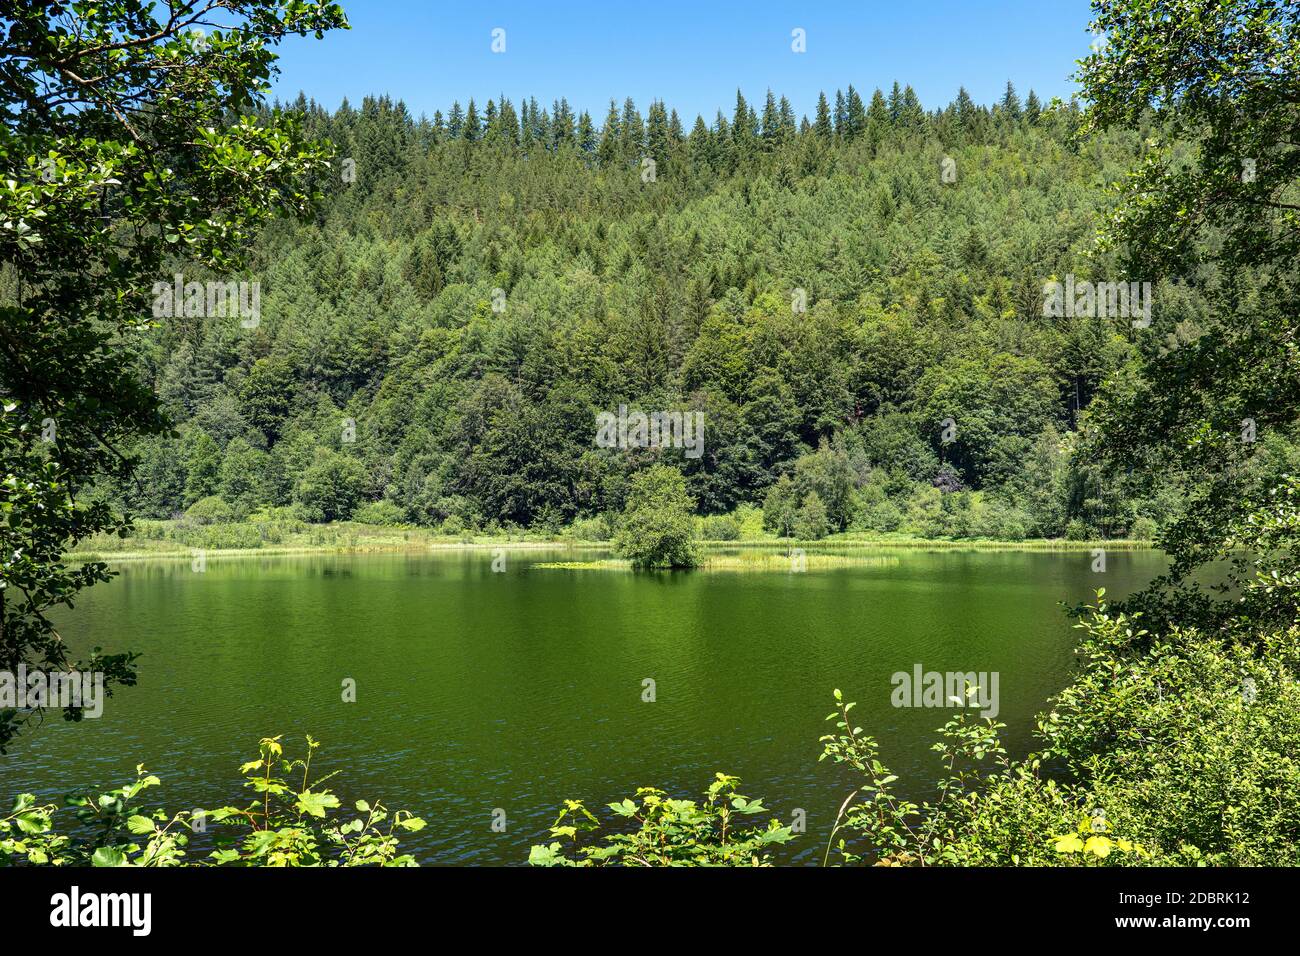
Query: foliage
x=129, y=146
x=210, y=510
x=290, y=821
x=666, y=832
x=811, y=522
x=1212, y=392
x=383, y=513
x=720, y=528
x=656, y=529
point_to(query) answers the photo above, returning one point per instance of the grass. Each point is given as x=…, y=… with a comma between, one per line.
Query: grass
x=177, y=540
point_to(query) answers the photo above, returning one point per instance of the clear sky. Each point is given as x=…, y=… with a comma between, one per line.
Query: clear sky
x=693, y=55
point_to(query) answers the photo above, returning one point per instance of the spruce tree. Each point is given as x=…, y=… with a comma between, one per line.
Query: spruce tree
x=1033, y=108
x=856, y=114
x=823, y=126
x=608, y=151
x=1011, y=102
x=471, y=129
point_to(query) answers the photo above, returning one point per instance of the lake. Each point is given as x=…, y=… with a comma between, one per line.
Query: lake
x=478, y=691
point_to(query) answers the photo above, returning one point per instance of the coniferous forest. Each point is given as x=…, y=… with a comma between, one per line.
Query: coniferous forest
x=814, y=286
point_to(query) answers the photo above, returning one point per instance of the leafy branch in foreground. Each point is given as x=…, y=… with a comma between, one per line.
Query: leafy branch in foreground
x=289, y=822
x=668, y=832
x=128, y=150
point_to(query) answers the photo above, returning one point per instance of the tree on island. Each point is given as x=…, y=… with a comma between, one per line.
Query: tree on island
x=657, y=528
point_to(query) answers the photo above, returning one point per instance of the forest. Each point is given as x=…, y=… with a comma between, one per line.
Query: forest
x=853, y=305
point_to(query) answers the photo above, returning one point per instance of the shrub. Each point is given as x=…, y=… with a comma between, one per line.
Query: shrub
x=210, y=510
x=382, y=513
x=720, y=528
x=780, y=507
x=811, y=521
x=750, y=519
x=1144, y=529
x=590, y=529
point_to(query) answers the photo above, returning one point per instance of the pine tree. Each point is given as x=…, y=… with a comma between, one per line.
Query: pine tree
x=878, y=112
x=471, y=130
x=562, y=124
x=966, y=110
x=525, y=125
x=587, y=138
x=657, y=135
x=1011, y=102
x=856, y=114
x=703, y=152
x=544, y=134
x=823, y=126
x=535, y=128
x=632, y=133
x=740, y=119
x=508, y=123
x=1033, y=108
x=771, y=119
x=913, y=118
x=786, y=123
x=896, y=104
x=675, y=128
x=607, y=152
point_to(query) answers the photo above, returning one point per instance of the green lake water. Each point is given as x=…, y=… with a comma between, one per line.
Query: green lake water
x=478, y=691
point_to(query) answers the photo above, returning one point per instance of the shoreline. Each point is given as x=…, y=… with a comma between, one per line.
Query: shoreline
x=416, y=542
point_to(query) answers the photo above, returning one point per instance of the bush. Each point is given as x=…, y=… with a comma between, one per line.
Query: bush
x=811, y=522
x=382, y=513
x=882, y=516
x=1076, y=530
x=924, y=514
x=210, y=510
x=590, y=529
x=750, y=519
x=720, y=528
x=1144, y=529
x=780, y=507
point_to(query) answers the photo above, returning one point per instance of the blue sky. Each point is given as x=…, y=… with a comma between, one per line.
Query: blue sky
x=693, y=55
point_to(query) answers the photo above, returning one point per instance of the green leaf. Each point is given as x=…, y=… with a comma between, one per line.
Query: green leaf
x=108, y=856
x=315, y=804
